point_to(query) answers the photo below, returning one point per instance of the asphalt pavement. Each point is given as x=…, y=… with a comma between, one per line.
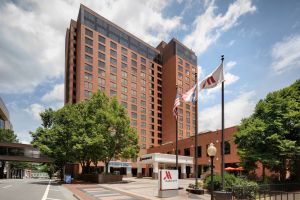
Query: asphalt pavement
x=33, y=189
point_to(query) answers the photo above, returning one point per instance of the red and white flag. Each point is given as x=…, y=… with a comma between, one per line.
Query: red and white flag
x=176, y=104
x=213, y=79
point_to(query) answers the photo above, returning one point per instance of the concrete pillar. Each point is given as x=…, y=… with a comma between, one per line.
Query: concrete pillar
x=183, y=171
x=155, y=170
x=139, y=170
x=128, y=171
x=192, y=172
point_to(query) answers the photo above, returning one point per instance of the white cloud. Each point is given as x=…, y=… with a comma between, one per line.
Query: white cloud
x=34, y=110
x=286, y=54
x=32, y=35
x=56, y=94
x=234, y=111
x=230, y=64
x=209, y=26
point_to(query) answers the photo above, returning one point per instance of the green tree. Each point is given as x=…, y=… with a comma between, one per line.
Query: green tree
x=271, y=135
x=112, y=121
x=6, y=135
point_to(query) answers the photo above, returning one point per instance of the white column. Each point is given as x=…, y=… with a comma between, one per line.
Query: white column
x=155, y=167
x=183, y=171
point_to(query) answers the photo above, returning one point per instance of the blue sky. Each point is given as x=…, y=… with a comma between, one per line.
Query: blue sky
x=260, y=41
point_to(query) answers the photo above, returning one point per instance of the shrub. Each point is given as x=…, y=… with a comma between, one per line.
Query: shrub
x=229, y=181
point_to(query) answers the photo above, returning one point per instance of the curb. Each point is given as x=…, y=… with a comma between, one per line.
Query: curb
x=139, y=196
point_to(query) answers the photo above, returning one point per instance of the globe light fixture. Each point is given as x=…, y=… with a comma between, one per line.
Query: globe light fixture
x=211, y=151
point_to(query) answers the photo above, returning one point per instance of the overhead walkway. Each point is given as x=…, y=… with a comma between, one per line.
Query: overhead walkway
x=21, y=152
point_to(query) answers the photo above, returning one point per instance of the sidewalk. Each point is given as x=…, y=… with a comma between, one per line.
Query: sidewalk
x=145, y=188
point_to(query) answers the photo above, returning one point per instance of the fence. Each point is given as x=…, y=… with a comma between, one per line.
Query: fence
x=289, y=191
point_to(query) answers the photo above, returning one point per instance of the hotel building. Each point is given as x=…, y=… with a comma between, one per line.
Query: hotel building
x=102, y=56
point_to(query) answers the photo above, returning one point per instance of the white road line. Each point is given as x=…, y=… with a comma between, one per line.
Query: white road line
x=7, y=186
x=46, y=191
x=52, y=199
x=54, y=190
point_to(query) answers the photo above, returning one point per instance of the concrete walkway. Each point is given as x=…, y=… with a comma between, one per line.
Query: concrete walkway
x=145, y=188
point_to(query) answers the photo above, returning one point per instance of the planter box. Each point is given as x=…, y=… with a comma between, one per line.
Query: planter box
x=222, y=195
x=195, y=191
x=101, y=178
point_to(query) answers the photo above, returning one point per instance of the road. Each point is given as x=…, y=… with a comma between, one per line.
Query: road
x=33, y=189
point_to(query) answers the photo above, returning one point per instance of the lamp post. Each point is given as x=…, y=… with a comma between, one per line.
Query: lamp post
x=211, y=151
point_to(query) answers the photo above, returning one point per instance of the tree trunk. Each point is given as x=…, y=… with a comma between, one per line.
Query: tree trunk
x=106, y=167
x=62, y=173
x=263, y=173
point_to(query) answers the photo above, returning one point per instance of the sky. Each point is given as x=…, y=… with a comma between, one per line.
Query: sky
x=260, y=40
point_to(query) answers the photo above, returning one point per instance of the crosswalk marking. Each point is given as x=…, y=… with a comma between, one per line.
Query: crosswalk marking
x=7, y=186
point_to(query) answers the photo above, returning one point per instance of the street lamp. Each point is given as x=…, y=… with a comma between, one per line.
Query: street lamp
x=211, y=151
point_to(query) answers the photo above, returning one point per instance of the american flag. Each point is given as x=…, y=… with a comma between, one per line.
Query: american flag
x=190, y=96
x=176, y=104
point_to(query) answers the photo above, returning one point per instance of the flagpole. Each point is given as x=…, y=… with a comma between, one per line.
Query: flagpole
x=222, y=145
x=176, y=135
x=196, y=132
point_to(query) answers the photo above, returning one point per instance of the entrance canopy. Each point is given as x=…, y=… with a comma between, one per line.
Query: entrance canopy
x=165, y=158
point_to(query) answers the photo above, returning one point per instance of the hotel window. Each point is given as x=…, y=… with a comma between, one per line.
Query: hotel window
x=88, y=50
x=143, y=110
x=143, y=89
x=151, y=65
x=187, y=64
x=124, y=104
x=88, y=41
x=113, y=77
x=143, y=75
x=159, y=88
x=133, y=115
x=133, y=93
x=89, y=32
x=187, y=72
x=124, y=65
x=124, y=97
x=199, y=152
x=152, y=127
x=180, y=125
x=101, y=64
x=133, y=85
x=133, y=78
x=133, y=55
x=227, y=147
x=88, y=59
x=87, y=93
x=124, y=58
x=113, y=69
x=159, y=68
x=159, y=141
x=113, y=93
x=88, y=85
x=101, y=47
x=124, y=90
x=143, y=132
x=179, y=83
x=159, y=95
x=152, y=120
x=143, y=82
x=88, y=67
x=101, y=56
x=159, y=128
x=180, y=75
x=143, y=67
x=143, y=139
x=133, y=107
x=143, y=103
x=133, y=123
x=159, y=115
x=187, y=152
x=180, y=61
x=180, y=68
x=124, y=82
x=143, y=96
x=133, y=100
x=159, y=121
x=143, y=124
x=187, y=79
x=113, y=61
x=124, y=74
x=101, y=81
x=133, y=70
x=101, y=72
x=88, y=76
x=101, y=39
x=188, y=119
x=113, y=45
x=143, y=60
x=113, y=53
x=133, y=63
x=124, y=50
